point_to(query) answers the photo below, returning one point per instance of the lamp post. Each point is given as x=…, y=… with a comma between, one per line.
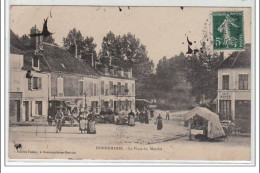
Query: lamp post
x=85, y=94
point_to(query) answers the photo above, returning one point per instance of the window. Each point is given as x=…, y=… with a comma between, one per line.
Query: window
x=60, y=86
x=133, y=89
x=80, y=88
x=38, y=108
x=36, y=62
x=95, y=89
x=225, y=82
x=91, y=92
x=102, y=88
x=225, y=109
x=126, y=89
x=122, y=90
x=115, y=89
x=35, y=83
x=119, y=88
x=106, y=90
x=243, y=81
x=111, y=88
x=29, y=83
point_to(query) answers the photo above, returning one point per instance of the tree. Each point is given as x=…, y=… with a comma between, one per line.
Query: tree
x=202, y=74
x=85, y=46
x=49, y=40
x=127, y=52
x=170, y=84
x=26, y=39
x=201, y=68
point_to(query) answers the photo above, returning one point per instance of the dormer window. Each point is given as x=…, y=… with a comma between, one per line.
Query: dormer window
x=36, y=63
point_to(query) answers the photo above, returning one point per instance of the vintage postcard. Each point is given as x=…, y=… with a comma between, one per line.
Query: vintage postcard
x=130, y=83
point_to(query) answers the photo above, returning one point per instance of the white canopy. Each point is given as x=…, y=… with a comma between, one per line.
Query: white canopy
x=215, y=129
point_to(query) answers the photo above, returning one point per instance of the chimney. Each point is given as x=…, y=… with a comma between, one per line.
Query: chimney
x=36, y=43
x=111, y=70
x=104, y=69
x=128, y=73
x=107, y=61
x=120, y=72
x=221, y=56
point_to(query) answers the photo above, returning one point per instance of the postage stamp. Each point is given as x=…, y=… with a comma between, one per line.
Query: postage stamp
x=228, y=32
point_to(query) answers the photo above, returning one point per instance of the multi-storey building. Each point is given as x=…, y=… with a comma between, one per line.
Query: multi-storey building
x=28, y=83
x=234, y=87
x=42, y=72
x=117, y=88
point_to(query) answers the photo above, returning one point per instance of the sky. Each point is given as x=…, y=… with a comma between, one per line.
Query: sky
x=162, y=30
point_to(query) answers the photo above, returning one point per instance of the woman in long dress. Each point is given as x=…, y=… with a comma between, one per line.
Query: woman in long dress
x=91, y=129
x=159, y=122
x=83, y=122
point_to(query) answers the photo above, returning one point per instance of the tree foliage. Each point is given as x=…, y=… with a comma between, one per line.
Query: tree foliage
x=85, y=46
x=126, y=51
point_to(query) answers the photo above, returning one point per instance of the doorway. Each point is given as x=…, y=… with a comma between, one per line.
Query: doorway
x=26, y=110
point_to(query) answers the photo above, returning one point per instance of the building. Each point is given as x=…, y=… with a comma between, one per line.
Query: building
x=42, y=72
x=117, y=88
x=27, y=88
x=234, y=87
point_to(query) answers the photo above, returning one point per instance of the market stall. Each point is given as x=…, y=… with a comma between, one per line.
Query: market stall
x=203, y=124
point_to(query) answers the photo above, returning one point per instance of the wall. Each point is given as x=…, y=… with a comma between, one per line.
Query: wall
x=233, y=93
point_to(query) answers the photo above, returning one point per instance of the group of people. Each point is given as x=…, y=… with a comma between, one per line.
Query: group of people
x=143, y=117
x=86, y=121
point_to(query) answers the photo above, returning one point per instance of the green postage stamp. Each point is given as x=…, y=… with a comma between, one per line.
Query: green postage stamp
x=228, y=30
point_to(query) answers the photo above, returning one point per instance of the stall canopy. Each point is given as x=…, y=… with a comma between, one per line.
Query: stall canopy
x=215, y=129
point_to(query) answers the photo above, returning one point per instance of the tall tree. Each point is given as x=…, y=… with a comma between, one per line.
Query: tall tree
x=202, y=74
x=85, y=46
x=127, y=52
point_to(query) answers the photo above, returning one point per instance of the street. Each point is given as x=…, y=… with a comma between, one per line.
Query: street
x=123, y=142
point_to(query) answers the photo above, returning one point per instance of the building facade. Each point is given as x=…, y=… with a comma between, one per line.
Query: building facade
x=44, y=72
x=28, y=94
x=234, y=87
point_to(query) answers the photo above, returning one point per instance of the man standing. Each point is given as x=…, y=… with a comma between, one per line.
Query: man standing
x=167, y=115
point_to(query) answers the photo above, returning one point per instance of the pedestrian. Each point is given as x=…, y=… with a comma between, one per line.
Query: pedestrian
x=167, y=115
x=91, y=129
x=58, y=119
x=131, y=119
x=141, y=116
x=146, y=117
x=151, y=113
x=83, y=121
x=159, y=122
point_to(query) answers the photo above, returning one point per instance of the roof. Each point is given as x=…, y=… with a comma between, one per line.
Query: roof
x=115, y=75
x=60, y=60
x=14, y=50
x=16, y=44
x=216, y=129
x=238, y=59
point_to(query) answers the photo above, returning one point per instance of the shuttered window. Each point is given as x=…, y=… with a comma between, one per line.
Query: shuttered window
x=225, y=82
x=29, y=83
x=111, y=88
x=102, y=88
x=60, y=86
x=243, y=81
